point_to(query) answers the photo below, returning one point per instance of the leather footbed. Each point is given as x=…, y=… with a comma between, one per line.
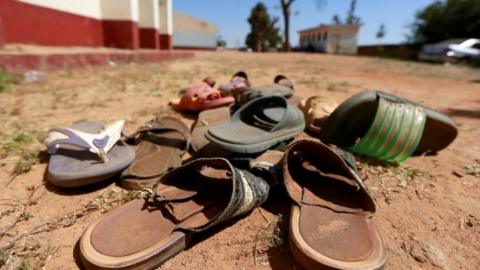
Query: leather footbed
x=330, y=224
x=134, y=228
x=156, y=154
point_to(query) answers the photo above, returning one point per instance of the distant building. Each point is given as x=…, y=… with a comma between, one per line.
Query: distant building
x=128, y=24
x=335, y=38
x=193, y=33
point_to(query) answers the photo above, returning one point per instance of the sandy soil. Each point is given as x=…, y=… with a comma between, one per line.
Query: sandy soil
x=428, y=209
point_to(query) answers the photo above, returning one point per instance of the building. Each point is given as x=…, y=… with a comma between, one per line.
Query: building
x=337, y=38
x=193, y=33
x=127, y=24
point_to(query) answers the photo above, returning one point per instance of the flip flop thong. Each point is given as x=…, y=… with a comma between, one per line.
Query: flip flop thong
x=387, y=127
x=193, y=198
x=163, y=141
x=331, y=223
x=257, y=126
x=86, y=152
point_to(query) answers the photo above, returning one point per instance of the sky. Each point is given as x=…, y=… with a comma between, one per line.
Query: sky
x=230, y=16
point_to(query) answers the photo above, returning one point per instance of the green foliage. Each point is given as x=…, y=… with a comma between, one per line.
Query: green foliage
x=263, y=33
x=25, y=146
x=221, y=42
x=351, y=17
x=447, y=19
x=336, y=19
x=16, y=142
x=4, y=80
x=381, y=31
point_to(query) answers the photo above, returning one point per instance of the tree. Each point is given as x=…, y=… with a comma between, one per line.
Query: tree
x=380, y=35
x=262, y=29
x=351, y=17
x=221, y=42
x=286, y=10
x=381, y=32
x=285, y=4
x=446, y=19
x=336, y=19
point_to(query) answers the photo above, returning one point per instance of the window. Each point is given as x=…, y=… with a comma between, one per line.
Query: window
x=324, y=36
x=476, y=45
x=319, y=36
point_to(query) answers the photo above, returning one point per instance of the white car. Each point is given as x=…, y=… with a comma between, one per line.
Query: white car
x=468, y=50
x=437, y=52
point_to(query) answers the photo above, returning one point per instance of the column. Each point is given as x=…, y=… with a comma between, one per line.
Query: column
x=120, y=23
x=149, y=23
x=166, y=25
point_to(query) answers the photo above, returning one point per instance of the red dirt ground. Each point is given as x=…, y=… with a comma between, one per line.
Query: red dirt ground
x=428, y=208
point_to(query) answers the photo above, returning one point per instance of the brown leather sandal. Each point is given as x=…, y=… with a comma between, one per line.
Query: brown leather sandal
x=163, y=141
x=331, y=223
x=142, y=234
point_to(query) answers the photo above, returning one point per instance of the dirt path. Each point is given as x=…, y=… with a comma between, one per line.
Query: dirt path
x=428, y=208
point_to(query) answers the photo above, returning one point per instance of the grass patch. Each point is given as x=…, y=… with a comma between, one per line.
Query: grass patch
x=4, y=81
x=25, y=145
x=17, y=142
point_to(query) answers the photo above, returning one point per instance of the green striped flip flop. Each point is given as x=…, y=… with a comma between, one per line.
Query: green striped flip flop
x=387, y=127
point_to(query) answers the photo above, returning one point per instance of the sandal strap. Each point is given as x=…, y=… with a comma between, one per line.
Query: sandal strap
x=395, y=131
x=157, y=126
x=100, y=143
x=249, y=192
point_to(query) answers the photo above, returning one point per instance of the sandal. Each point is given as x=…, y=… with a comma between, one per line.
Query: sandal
x=163, y=141
x=257, y=126
x=191, y=199
x=331, y=223
x=239, y=81
x=316, y=110
x=201, y=97
x=281, y=86
x=387, y=127
x=86, y=152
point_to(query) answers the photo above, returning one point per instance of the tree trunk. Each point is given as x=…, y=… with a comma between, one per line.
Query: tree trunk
x=286, y=18
x=258, y=45
x=286, y=15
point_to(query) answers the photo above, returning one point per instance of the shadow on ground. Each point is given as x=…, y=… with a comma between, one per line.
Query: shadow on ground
x=463, y=113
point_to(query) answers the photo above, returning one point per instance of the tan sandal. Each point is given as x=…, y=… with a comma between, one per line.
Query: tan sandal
x=163, y=141
x=331, y=224
x=316, y=110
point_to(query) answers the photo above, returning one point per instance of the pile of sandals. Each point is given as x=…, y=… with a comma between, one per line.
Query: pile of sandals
x=331, y=222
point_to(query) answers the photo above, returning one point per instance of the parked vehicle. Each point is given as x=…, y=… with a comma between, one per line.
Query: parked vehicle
x=468, y=51
x=437, y=52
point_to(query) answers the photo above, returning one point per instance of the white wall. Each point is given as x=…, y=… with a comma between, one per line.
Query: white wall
x=87, y=8
x=149, y=14
x=166, y=24
x=98, y=9
x=118, y=9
